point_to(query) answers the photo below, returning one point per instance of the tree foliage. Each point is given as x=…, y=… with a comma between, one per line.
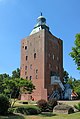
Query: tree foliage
x=16, y=73
x=65, y=76
x=20, y=85
x=75, y=84
x=75, y=54
x=3, y=76
x=4, y=104
x=76, y=87
x=14, y=86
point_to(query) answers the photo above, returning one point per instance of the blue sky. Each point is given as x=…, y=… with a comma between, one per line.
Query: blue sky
x=17, y=19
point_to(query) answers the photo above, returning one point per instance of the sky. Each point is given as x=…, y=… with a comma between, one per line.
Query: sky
x=17, y=19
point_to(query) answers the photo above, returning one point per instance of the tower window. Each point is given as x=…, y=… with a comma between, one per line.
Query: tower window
x=26, y=77
x=30, y=78
x=34, y=55
x=25, y=47
x=26, y=58
x=25, y=67
x=36, y=71
x=25, y=73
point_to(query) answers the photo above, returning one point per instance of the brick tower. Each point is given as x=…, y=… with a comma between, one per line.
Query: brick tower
x=42, y=61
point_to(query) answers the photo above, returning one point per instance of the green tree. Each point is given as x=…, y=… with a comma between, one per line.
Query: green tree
x=71, y=82
x=4, y=104
x=65, y=76
x=18, y=85
x=76, y=87
x=15, y=86
x=75, y=54
x=1, y=83
x=16, y=73
x=2, y=76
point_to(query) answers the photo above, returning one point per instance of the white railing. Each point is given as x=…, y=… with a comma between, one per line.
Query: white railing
x=56, y=79
x=55, y=95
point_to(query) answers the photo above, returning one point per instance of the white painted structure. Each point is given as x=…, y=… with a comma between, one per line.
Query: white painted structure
x=66, y=89
x=56, y=80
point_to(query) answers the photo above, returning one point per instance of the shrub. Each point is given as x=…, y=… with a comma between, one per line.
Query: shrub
x=52, y=103
x=42, y=104
x=77, y=106
x=29, y=110
x=4, y=104
x=11, y=110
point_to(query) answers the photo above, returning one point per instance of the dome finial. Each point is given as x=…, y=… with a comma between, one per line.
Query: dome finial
x=41, y=13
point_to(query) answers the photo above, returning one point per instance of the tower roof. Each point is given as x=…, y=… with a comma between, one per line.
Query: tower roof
x=41, y=24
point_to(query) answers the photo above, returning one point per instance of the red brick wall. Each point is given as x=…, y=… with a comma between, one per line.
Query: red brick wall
x=35, y=44
x=53, y=58
x=45, y=45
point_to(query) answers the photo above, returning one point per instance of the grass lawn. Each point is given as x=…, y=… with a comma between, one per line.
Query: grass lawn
x=45, y=115
x=71, y=103
x=54, y=116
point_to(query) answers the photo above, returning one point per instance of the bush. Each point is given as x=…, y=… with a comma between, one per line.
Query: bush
x=11, y=110
x=4, y=104
x=77, y=106
x=42, y=104
x=51, y=104
x=28, y=110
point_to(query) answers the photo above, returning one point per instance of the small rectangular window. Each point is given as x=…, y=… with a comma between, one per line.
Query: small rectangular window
x=36, y=71
x=26, y=58
x=34, y=55
x=26, y=77
x=25, y=73
x=30, y=78
x=25, y=67
x=25, y=47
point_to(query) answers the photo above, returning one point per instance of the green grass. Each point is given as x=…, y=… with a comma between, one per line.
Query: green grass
x=71, y=103
x=12, y=117
x=19, y=103
x=58, y=116
x=45, y=116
